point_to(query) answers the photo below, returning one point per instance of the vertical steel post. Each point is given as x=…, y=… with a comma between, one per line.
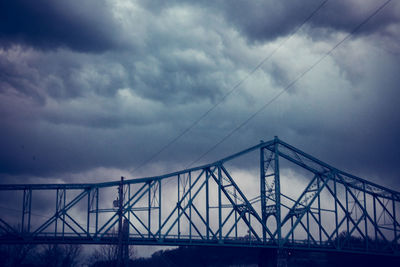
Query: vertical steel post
x=394, y=222
x=207, y=207
x=120, y=231
x=219, y=203
x=129, y=197
x=277, y=190
x=179, y=208
x=23, y=211
x=159, y=208
x=30, y=209
x=291, y=227
x=347, y=212
x=57, y=208
x=190, y=206
x=365, y=217
x=149, y=210
x=319, y=211
x=308, y=228
x=64, y=201
x=26, y=210
x=249, y=219
x=336, y=211
x=375, y=222
x=88, y=211
x=263, y=193
x=236, y=219
x=97, y=209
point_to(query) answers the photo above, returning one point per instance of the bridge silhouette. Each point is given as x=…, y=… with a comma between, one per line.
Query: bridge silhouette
x=289, y=200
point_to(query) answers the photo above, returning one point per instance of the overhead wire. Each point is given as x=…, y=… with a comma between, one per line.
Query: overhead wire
x=376, y=11
x=234, y=88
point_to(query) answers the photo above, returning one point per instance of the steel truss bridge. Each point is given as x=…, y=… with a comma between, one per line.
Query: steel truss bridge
x=287, y=200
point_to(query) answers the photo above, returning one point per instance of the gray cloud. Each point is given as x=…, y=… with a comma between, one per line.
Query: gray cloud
x=68, y=111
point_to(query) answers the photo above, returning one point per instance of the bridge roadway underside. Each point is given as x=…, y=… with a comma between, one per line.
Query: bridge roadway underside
x=139, y=241
x=263, y=255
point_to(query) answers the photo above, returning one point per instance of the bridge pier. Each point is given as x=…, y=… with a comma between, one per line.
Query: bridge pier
x=281, y=258
x=273, y=258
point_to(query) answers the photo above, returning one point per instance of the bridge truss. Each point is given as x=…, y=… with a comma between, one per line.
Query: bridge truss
x=292, y=201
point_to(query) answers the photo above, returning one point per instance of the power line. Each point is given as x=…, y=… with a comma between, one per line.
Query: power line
x=234, y=88
x=291, y=83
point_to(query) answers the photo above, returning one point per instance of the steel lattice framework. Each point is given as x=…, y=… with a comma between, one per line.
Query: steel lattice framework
x=329, y=210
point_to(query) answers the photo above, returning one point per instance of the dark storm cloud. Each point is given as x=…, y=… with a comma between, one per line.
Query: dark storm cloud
x=267, y=20
x=45, y=24
x=66, y=112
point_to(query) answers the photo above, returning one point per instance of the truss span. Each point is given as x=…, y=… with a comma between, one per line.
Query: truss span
x=285, y=199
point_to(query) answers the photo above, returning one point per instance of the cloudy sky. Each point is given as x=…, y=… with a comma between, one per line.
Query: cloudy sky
x=90, y=90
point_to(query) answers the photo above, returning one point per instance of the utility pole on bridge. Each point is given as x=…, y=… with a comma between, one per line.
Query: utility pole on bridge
x=123, y=229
